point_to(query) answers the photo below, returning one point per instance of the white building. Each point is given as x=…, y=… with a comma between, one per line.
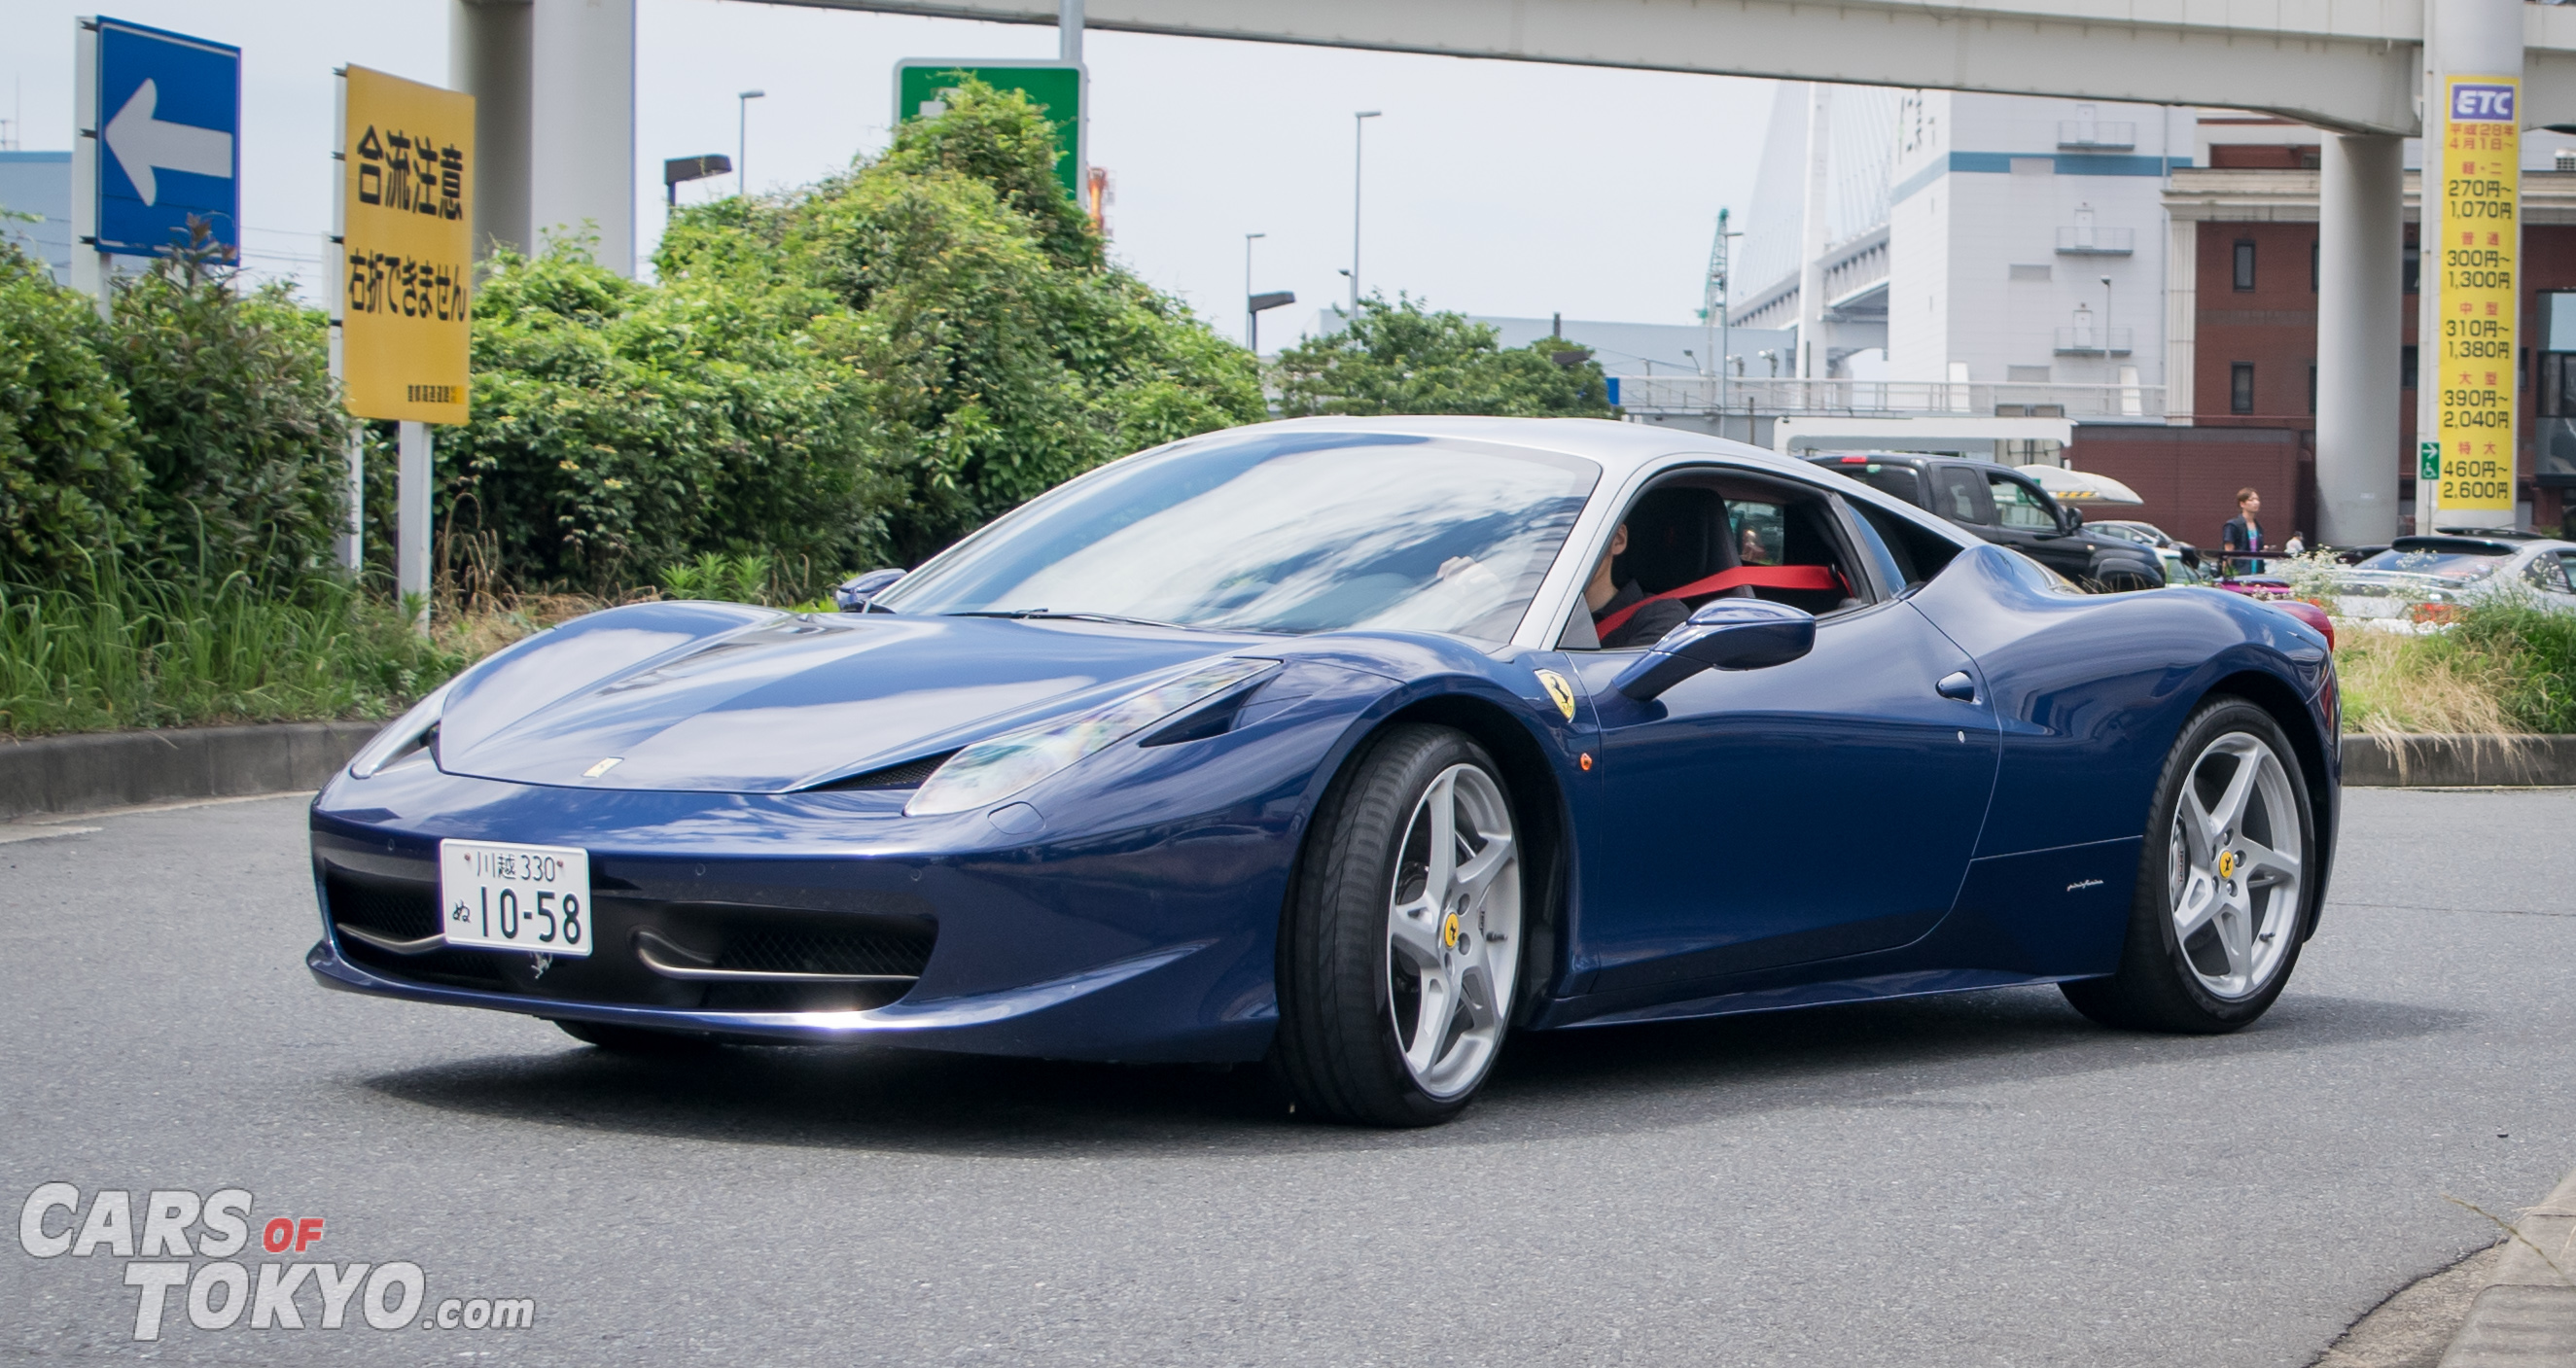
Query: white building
x=1985, y=240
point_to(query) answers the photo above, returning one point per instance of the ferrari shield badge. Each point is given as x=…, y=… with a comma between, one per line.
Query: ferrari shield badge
x=1559, y=689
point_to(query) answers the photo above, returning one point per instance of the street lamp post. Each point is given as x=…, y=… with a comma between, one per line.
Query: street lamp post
x=1359, y=126
x=742, y=140
x=1251, y=320
x=2108, y=373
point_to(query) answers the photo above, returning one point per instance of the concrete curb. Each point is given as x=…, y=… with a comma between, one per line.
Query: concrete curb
x=2458, y=761
x=2526, y=1317
x=58, y=774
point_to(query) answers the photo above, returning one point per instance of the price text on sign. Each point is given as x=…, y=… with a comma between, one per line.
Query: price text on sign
x=2481, y=236
x=407, y=251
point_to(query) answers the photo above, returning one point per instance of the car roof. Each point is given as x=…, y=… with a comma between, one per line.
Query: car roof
x=2471, y=543
x=1619, y=448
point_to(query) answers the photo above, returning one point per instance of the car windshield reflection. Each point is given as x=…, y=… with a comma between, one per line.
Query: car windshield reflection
x=1282, y=533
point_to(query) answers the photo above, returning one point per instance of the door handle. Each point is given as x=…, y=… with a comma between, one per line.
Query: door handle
x=1956, y=684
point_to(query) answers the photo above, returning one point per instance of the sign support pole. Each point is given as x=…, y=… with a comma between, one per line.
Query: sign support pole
x=353, y=542
x=411, y=545
x=90, y=271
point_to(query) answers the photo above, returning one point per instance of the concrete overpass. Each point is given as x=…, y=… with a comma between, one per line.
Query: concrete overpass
x=555, y=80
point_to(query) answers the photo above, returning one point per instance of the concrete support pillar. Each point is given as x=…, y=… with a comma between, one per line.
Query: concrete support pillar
x=1814, y=355
x=488, y=50
x=554, y=120
x=2361, y=247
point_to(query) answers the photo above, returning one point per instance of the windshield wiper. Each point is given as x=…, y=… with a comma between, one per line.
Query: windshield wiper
x=1050, y=615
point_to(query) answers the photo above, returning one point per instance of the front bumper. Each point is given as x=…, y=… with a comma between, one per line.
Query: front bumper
x=1088, y=1015
x=1143, y=940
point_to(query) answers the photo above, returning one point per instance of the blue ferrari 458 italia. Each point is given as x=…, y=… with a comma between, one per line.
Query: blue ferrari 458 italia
x=1357, y=745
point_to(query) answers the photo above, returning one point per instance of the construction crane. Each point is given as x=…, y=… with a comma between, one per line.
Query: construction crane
x=1713, y=302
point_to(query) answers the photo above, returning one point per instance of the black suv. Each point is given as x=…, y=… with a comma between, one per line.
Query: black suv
x=2007, y=508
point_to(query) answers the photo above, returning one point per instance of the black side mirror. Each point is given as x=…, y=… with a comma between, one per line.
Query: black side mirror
x=2071, y=519
x=853, y=593
x=1729, y=634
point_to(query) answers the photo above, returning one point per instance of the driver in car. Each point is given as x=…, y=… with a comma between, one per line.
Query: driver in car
x=1604, y=597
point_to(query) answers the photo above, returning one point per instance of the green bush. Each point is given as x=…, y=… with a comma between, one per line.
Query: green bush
x=1400, y=358
x=619, y=427
x=2535, y=653
x=68, y=478
x=237, y=423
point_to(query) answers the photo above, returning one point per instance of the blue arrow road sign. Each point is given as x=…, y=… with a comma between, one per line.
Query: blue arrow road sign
x=169, y=139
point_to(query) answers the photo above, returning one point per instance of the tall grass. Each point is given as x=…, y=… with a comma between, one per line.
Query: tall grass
x=2506, y=666
x=135, y=650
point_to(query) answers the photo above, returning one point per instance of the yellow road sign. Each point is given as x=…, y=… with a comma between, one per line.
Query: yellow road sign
x=407, y=247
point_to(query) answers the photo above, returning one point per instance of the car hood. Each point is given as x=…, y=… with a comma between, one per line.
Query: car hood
x=725, y=699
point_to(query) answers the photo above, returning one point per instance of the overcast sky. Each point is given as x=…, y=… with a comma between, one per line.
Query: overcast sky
x=1492, y=187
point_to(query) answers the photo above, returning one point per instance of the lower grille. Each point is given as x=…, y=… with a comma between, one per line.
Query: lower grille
x=714, y=956
x=375, y=916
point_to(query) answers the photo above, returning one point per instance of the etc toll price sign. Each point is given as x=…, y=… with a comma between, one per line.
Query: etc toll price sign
x=2481, y=237
x=407, y=247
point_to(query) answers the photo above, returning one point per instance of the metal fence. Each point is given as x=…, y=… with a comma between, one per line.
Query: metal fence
x=1888, y=398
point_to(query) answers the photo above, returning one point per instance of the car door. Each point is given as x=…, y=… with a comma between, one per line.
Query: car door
x=1764, y=818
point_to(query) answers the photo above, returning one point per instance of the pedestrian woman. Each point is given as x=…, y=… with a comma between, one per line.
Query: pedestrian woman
x=2242, y=538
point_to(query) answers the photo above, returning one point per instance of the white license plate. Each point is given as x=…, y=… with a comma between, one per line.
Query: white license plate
x=515, y=897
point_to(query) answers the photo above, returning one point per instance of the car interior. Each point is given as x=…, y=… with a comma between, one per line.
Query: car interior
x=1691, y=526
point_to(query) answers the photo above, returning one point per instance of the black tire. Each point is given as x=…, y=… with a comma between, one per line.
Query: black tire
x=637, y=1040
x=2165, y=983
x=1341, y=1046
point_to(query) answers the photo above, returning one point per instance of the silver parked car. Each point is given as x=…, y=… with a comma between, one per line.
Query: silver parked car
x=2416, y=577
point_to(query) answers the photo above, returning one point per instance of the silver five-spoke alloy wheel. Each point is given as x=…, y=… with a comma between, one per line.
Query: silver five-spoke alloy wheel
x=1453, y=929
x=2232, y=865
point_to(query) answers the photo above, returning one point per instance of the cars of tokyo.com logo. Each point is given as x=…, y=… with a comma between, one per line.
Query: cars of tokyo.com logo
x=162, y=1239
x=2478, y=103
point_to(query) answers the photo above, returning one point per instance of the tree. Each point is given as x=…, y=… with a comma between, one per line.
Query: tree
x=1003, y=356
x=1400, y=358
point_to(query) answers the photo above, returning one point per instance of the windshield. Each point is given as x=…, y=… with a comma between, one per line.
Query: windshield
x=2449, y=564
x=1291, y=532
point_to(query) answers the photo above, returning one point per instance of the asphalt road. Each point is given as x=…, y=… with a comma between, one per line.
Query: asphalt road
x=1974, y=1180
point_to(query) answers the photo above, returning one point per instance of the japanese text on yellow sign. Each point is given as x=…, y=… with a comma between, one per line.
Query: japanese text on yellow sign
x=2481, y=236
x=407, y=243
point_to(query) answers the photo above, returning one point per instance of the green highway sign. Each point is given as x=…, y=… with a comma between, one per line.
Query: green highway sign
x=2428, y=460
x=922, y=84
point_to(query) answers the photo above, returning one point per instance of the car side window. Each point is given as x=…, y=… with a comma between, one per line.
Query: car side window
x=1920, y=555
x=2550, y=573
x=1961, y=495
x=1893, y=565
x=2567, y=559
x=1699, y=526
x=2017, y=505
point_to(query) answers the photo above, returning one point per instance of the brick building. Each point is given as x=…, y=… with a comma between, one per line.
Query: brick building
x=2241, y=321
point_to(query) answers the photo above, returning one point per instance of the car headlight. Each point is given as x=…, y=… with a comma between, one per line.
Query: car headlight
x=403, y=737
x=993, y=769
